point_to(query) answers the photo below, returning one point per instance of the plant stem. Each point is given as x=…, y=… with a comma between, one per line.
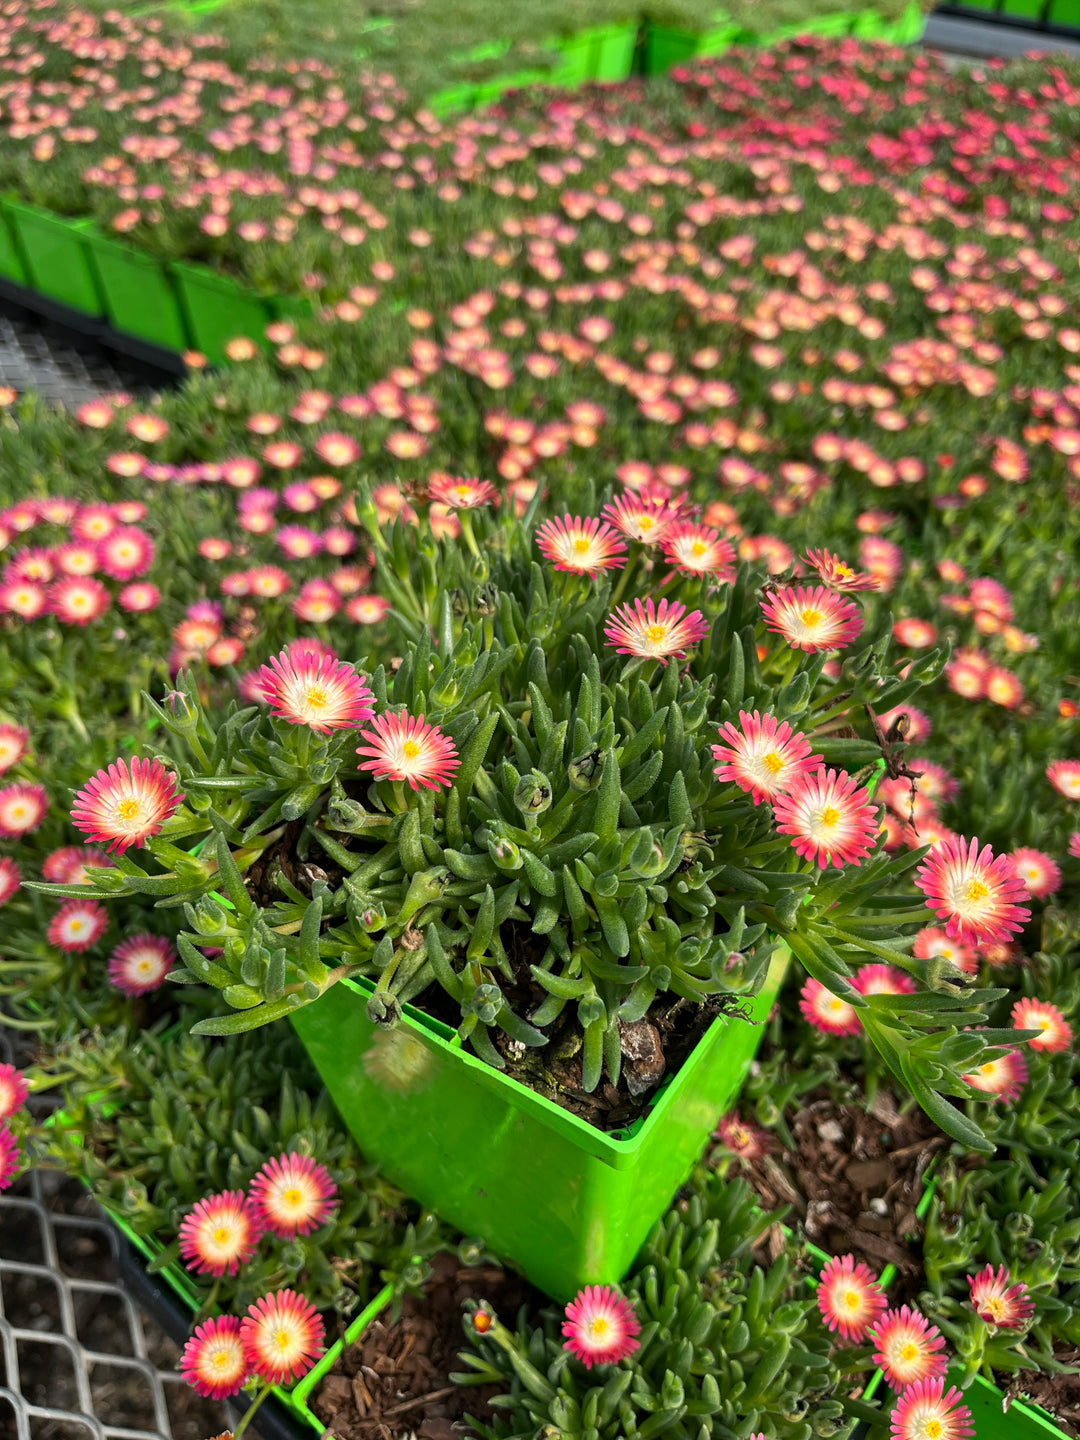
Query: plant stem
x=251, y=1411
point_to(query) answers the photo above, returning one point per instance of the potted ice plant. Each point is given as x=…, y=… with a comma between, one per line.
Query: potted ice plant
x=550, y=857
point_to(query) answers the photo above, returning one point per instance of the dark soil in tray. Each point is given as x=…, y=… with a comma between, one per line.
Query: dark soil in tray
x=1059, y=1394
x=653, y=1049
x=855, y=1181
x=396, y=1378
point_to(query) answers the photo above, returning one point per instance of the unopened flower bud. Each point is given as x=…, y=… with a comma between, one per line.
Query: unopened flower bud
x=487, y=597
x=944, y=977
x=471, y=1250
x=533, y=793
x=384, y=1009
x=482, y=1322
x=583, y=772
x=1019, y=1224
x=505, y=854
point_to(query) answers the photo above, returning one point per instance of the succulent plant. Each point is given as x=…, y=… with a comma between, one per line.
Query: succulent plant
x=154, y=1123
x=727, y=1348
x=578, y=849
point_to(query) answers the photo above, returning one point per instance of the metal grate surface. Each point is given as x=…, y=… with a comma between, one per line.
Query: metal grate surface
x=79, y=1360
x=63, y=366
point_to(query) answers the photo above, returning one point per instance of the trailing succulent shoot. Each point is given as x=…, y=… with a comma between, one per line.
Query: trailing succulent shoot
x=536, y=810
x=727, y=1348
x=156, y=1126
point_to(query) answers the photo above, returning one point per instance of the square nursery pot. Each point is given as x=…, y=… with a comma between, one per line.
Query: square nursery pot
x=452, y=100
x=11, y=261
x=56, y=254
x=566, y=1203
x=217, y=310
x=140, y=298
x=616, y=47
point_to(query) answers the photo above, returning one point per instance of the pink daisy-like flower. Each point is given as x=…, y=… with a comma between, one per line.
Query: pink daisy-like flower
x=78, y=599
x=601, y=1327
x=696, y=550
x=24, y=598
x=745, y=1141
x=1074, y=845
x=282, y=1336
x=141, y=963
x=405, y=748
x=581, y=547
x=293, y=1195
x=68, y=865
x=975, y=893
x=10, y=1157
x=849, y=1297
x=639, y=518
x=765, y=757
x=1029, y=1014
x=837, y=574
x=10, y=879
x=126, y=806
x=14, y=1090
x=22, y=809
x=917, y=726
x=935, y=783
x=461, y=494
x=139, y=597
x=214, y=1363
x=907, y=1347
x=367, y=609
x=127, y=553
x=337, y=449
x=829, y=817
x=932, y=942
x=77, y=925
x=655, y=632
x=926, y=1410
x=997, y=1302
x=812, y=620
x=1064, y=775
x=13, y=742
x=1003, y=1078
x=1040, y=873
x=882, y=980
x=316, y=690
x=828, y=1012
x=220, y=1234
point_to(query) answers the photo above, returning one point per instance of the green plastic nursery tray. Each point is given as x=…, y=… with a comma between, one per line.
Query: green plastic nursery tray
x=216, y=310
x=987, y=1405
x=56, y=256
x=566, y=1203
x=140, y=297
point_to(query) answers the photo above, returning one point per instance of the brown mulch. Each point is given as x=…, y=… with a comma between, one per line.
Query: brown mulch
x=1058, y=1394
x=855, y=1181
x=396, y=1378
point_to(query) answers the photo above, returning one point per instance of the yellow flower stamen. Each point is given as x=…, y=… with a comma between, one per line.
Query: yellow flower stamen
x=811, y=617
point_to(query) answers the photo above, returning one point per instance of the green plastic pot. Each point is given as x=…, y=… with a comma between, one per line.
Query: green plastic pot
x=577, y=60
x=11, y=261
x=140, y=298
x=1064, y=12
x=56, y=254
x=665, y=47
x=561, y=1200
x=616, y=46
x=453, y=100
x=216, y=310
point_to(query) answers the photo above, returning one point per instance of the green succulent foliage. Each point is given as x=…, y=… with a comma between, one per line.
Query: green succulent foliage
x=726, y=1347
x=1020, y=1209
x=585, y=822
x=154, y=1123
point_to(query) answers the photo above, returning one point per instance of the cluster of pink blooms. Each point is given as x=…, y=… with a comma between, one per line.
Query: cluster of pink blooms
x=14, y=1092
x=61, y=578
x=277, y=1341
x=289, y=1196
x=908, y=1348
